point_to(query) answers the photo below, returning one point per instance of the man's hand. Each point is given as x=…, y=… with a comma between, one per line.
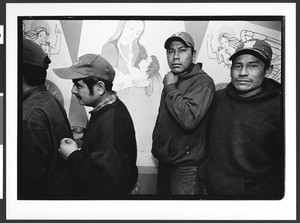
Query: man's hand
x=77, y=132
x=170, y=78
x=67, y=146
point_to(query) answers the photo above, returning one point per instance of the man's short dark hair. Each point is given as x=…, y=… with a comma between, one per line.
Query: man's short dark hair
x=92, y=81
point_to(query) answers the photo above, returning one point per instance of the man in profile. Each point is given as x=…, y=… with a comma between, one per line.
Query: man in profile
x=105, y=166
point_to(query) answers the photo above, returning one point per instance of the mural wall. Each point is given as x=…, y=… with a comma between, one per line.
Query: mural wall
x=135, y=49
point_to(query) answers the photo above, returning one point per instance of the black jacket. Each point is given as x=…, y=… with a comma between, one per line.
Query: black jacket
x=106, y=164
x=246, y=143
x=42, y=173
x=180, y=130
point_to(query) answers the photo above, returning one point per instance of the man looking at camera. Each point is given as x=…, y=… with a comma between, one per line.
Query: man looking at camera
x=180, y=129
x=245, y=137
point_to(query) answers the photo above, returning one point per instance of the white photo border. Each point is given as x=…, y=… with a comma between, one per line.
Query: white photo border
x=284, y=209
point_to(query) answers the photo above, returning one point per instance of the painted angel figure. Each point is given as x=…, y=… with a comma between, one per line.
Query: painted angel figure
x=41, y=34
x=227, y=46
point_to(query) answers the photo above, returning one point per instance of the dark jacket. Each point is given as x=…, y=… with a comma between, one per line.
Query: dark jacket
x=245, y=143
x=180, y=130
x=106, y=163
x=42, y=173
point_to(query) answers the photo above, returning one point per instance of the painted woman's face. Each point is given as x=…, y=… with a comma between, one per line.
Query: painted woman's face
x=133, y=30
x=42, y=37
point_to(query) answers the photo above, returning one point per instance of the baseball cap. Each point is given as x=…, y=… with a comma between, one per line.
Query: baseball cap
x=34, y=54
x=257, y=47
x=182, y=37
x=88, y=65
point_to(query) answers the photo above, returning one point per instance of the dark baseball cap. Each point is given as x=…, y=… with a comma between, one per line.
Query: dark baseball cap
x=256, y=47
x=183, y=37
x=33, y=54
x=88, y=65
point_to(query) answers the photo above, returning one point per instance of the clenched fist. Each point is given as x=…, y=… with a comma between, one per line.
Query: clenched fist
x=67, y=146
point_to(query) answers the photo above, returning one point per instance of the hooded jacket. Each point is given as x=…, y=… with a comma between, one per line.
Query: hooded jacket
x=245, y=143
x=179, y=132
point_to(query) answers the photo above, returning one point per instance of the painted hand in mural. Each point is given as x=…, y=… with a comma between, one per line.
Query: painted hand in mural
x=57, y=31
x=121, y=80
x=210, y=36
x=139, y=76
x=67, y=146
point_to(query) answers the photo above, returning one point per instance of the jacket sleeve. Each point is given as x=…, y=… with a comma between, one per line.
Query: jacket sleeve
x=104, y=172
x=35, y=156
x=189, y=108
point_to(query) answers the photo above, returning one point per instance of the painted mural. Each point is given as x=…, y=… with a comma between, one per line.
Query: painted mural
x=221, y=39
x=39, y=32
x=135, y=50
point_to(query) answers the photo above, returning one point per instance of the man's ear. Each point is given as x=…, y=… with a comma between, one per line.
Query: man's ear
x=269, y=71
x=194, y=55
x=100, y=87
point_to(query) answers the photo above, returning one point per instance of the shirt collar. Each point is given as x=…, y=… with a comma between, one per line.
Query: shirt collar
x=109, y=100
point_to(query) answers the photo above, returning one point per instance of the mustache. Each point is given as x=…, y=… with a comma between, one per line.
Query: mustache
x=77, y=96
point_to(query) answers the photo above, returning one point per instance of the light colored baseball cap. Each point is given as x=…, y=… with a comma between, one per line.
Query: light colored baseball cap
x=33, y=54
x=183, y=37
x=88, y=65
x=256, y=47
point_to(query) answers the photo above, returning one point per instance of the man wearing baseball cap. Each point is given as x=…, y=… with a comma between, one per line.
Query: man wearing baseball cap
x=180, y=130
x=245, y=135
x=42, y=173
x=105, y=166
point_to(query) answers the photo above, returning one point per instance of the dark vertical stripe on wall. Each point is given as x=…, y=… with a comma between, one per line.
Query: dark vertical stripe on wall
x=197, y=30
x=77, y=113
x=72, y=33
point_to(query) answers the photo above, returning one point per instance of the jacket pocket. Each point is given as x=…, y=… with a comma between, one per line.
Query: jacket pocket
x=170, y=149
x=161, y=147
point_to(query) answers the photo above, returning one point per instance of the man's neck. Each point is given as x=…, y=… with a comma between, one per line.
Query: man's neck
x=108, y=98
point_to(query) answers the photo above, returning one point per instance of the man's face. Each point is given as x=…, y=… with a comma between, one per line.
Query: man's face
x=247, y=72
x=179, y=56
x=82, y=93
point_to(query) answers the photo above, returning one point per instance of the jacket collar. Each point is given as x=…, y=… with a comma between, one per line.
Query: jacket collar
x=30, y=91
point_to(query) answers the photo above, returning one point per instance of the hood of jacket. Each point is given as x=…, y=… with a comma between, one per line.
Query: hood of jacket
x=270, y=88
x=193, y=70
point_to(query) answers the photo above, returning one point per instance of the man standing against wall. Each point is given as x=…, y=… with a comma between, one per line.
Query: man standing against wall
x=106, y=163
x=245, y=137
x=180, y=129
x=43, y=173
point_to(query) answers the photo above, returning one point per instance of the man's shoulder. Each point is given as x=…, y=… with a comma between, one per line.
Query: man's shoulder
x=116, y=107
x=41, y=103
x=202, y=75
